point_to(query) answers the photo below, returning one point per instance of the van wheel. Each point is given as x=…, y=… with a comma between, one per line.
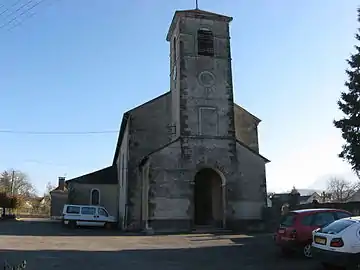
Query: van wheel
x=72, y=224
x=108, y=226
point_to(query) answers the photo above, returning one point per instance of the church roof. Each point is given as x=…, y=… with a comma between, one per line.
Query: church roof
x=196, y=13
x=128, y=114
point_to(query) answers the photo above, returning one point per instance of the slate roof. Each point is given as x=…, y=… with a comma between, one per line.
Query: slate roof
x=106, y=176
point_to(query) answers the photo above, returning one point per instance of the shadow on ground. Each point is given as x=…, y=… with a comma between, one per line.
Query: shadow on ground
x=219, y=257
x=45, y=227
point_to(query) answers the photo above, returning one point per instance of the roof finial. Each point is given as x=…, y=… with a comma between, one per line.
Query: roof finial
x=197, y=4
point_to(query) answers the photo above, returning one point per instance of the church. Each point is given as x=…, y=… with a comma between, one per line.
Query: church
x=190, y=157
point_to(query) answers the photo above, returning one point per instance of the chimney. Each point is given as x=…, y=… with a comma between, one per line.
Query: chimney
x=61, y=185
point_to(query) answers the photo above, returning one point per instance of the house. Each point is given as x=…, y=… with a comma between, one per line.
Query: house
x=96, y=188
x=58, y=198
x=355, y=197
x=189, y=157
x=306, y=199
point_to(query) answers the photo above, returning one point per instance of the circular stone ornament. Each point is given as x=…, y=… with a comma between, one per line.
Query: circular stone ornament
x=206, y=78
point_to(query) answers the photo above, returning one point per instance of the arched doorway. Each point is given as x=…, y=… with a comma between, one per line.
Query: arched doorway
x=208, y=199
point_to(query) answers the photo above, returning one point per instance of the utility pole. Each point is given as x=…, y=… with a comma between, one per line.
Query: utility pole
x=12, y=182
x=197, y=4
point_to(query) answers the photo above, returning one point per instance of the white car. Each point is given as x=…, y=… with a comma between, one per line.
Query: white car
x=87, y=215
x=338, y=244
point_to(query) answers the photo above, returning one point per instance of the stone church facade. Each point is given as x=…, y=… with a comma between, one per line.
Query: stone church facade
x=189, y=157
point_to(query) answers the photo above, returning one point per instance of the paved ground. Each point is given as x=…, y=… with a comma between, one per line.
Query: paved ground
x=49, y=246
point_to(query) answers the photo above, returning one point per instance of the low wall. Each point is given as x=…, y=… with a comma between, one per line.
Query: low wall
x=353, y=207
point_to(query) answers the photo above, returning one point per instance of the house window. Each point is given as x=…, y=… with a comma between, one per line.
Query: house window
x=205, y=40
x=95, y=197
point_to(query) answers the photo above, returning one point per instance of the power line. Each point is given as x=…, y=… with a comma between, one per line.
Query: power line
x=22, y=13
x=16, y=10
x=58, y=132
x=7, y=9
x=27, y=15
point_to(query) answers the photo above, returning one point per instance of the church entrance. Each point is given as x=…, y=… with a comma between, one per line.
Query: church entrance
x=208, y=199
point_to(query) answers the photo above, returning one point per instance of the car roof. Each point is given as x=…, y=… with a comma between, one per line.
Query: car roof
x=316, y=210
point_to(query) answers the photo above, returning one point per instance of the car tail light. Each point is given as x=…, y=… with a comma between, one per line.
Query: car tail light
x=293, y=234
x=336, y=242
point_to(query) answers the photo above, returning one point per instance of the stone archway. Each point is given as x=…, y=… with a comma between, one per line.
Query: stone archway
x=208, y=198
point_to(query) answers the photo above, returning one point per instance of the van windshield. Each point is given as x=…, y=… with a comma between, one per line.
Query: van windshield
x=288, y=220
x=337, y=226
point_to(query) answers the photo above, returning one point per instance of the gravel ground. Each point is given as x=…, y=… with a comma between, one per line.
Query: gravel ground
x=46, y=245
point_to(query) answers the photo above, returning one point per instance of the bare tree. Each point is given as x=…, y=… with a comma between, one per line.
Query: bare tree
x=49, y=187
x=15, y=182
x=341, y=190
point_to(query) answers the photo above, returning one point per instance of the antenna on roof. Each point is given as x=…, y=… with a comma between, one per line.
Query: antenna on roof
x=197, y=4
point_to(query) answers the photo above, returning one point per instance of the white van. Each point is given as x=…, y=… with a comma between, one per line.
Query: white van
x=87, y=215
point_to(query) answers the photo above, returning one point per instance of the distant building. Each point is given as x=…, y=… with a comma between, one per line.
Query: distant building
x=58, y=198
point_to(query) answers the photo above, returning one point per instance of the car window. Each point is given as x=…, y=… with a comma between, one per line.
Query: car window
x=288, y=220
x=342, y=215
x=307, y=220
x=323, y=218
x=73, y=209
x=102, y=212
x=88, y=211
x=337, y=226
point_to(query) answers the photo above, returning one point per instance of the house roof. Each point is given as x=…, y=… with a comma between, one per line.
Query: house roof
x=195, y=13
x=106, y=176
x=58, y=189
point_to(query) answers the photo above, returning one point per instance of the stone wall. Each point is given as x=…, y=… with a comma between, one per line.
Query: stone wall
x=122, y=174
x=252, y=186
x=58, y=200
x=246, y=127
x=150, y=128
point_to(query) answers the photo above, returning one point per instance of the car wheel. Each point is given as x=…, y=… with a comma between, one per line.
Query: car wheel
x=108, y=225
x=307, y=251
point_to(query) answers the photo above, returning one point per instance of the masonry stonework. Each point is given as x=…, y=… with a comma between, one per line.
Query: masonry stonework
x=195, y=126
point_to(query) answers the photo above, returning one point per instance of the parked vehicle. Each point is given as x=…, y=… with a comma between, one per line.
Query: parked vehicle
x=338, y=244
x=87, y=215
x=296, y=227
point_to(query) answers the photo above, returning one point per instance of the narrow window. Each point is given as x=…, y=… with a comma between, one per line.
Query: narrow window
x=174, y=50
x=95, y=197
x=205, y=42
x=123, y=170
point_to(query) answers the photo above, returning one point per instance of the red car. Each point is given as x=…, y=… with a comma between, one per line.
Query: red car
x=295, y=230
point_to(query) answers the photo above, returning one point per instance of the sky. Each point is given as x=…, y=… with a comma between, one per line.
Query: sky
x=74, y=66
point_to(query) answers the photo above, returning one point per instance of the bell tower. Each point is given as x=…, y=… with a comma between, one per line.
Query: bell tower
x=200, y=75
